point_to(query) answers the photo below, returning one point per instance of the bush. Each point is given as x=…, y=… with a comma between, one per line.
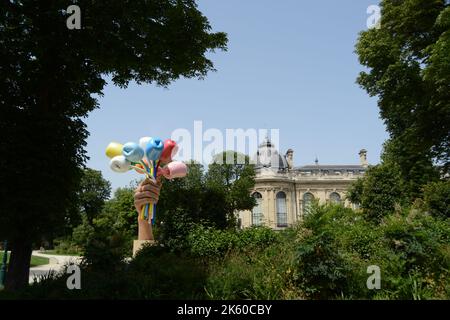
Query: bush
x=106, y=253
x=335, y=246
x=66, y=246
x=265, y=273
x=208, y=242
x=330, y=249
x=421, y=247
x=325, y=257
x=174, y=231
x=157, y=273
x=436, y=197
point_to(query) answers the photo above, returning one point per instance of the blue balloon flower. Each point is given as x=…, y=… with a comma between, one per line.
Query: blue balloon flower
x=154, y=149
x=133, y=152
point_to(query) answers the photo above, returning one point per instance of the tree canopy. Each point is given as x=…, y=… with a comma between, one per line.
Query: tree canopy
x=94, y=191
x=51, y=76
x=211, y=198
x=408, y=61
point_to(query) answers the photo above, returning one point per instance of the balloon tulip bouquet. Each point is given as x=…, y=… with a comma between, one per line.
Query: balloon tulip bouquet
x=152, y=157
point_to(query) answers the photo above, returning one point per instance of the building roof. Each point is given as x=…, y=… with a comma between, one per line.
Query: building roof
x=269, y=157
x=337, y=167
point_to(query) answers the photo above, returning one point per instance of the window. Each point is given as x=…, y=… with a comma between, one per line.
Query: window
x=257, y=210
x=335, y=198
x=308, y=199
x=281, y=210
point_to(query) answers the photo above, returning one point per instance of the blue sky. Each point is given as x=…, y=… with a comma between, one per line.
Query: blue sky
x=290, y=65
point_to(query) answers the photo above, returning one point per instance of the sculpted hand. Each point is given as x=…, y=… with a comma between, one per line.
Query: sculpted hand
x=147, y=192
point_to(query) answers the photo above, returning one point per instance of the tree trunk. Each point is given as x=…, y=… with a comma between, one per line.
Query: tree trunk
x=19, y=266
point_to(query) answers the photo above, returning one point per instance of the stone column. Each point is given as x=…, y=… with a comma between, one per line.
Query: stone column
x=299, y=205
x=269, y=217
x=274, y=203
x=266, y=208
x=293, y=206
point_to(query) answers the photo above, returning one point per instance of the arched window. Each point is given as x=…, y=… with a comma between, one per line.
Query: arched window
x=281, y=210
x=308, y=199
x=257, y=210
x=335, y=198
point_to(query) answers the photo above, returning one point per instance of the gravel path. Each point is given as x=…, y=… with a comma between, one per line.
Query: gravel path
x=56, y=264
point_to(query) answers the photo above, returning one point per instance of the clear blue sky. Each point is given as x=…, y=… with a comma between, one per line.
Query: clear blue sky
x=290, y=65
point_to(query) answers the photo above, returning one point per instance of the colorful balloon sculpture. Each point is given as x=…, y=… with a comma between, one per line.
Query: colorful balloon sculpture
x=152, y=157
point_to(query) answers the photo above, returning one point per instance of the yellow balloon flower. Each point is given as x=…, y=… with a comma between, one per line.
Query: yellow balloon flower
x=114, y=149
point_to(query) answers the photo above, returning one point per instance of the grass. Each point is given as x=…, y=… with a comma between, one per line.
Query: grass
x=38, y=261
x=35, y=261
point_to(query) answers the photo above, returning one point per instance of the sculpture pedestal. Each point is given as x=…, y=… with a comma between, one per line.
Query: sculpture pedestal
x=138, y=244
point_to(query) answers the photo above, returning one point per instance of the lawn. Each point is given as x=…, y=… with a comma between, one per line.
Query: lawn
x=35, y=261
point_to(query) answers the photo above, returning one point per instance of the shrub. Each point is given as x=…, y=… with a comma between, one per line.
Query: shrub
x=436, y=197
x=335, y=246
x=267, y=273
x=106, y=253
x=207, y=242
x=157, y=273
x=324, y=257
x=66, y=246
x=329, y=261
x=420, y=245
x=172, y=233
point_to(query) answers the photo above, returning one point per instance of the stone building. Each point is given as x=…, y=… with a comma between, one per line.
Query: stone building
x=284, y=192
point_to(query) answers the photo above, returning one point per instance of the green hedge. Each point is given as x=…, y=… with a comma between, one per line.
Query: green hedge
x=208, y=242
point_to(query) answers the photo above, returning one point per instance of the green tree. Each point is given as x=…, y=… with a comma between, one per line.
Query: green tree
x=381, y=189
x=185, y=194
x=378, y=192
x=119, y=213
x=436, y=197
x=82, y=233
x=210, y=198
x=93, y=193
x=231, y=176
x=51, y=77
x=408, y=62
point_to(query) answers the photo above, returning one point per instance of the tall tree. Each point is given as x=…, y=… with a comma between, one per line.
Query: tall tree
x=87, y=204
x=119, y=213
x=408, y=58
x=211, y=197
x=93, y=193
x=51, y=76
x=231, y=176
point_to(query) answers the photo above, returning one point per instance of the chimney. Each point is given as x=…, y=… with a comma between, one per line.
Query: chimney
x=363, y=157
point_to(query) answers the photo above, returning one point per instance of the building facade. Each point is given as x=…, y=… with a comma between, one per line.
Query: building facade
x=283, y=192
